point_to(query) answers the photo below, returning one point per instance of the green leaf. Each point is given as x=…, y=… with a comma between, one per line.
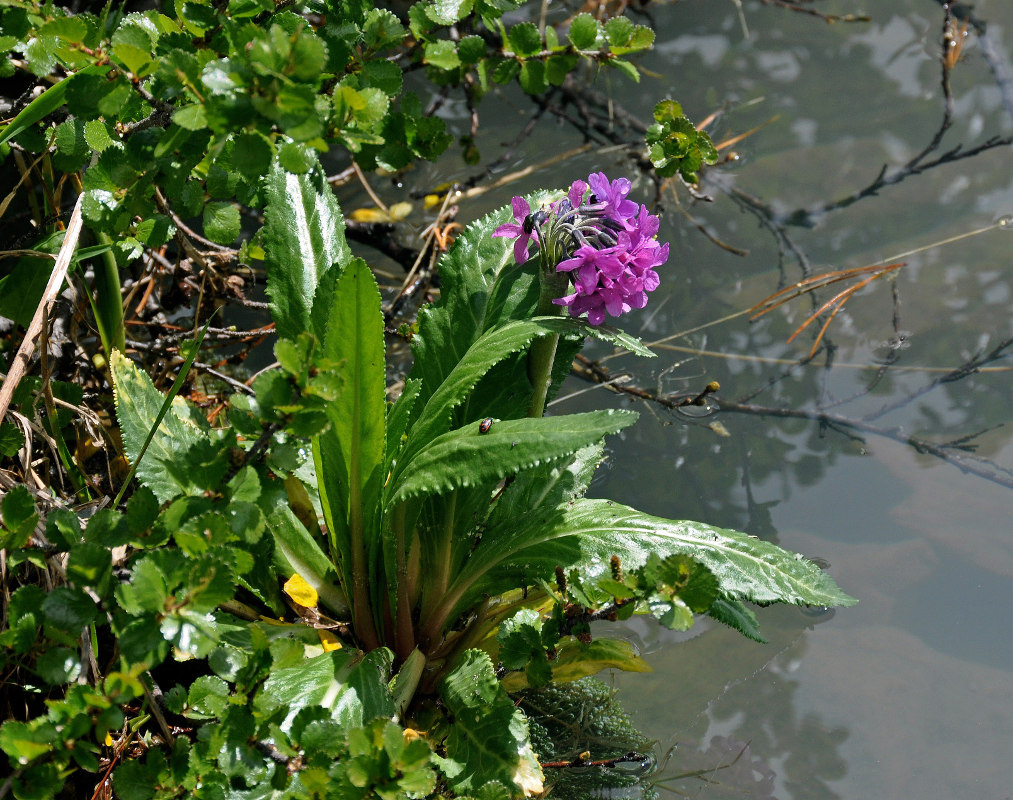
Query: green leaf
x=72, y=151
x=221, y=222
x=138, y=403
x=532, y=78
x=147, y=590
x=584, y=32
x=468, y=457
x=448, y=12
x=735, y=615
x=69, y=609
x=442, y=53
x=626, y=68
x=640, y=39
x=382, y=30
x=23, y=743
x=207, y=698
x=309, y=56
x=17, y=510
x=618, y=31
x=297, y=158
x=558, y=67
x=352, y=687
x=299, y=554
x=482, y=288
x=58, y=665
x=586, y=533
x=252, y=154
x=524, y=39
x=304, y=246
x=40, y=53
x=192, y=117
x=11, y=438
x=91, y=565
x=47, y=102
x=350, y=455
x=384, y=75
x=575, y=660
x=471, y=49
x=488, y=740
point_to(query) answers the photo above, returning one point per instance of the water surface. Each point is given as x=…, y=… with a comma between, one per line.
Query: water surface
x=910, y=693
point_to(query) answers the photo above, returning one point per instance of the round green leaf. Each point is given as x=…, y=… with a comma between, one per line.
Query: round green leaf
x=221, y=222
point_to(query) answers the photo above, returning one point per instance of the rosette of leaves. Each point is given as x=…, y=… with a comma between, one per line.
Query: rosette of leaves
x=426, y=524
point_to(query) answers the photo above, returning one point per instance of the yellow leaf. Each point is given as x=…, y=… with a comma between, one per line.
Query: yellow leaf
x=300, y=591
x=329, y=641
x=108, y=740
x=394, y=213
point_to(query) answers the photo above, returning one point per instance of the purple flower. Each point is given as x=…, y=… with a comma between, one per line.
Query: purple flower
x=606, y=244
x=521, y=213
x=613, y=196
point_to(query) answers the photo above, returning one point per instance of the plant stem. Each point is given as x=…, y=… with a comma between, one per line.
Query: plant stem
x=362, y=615
x=543, y=350
x=437, y=590
x=404, y=634
x=109, y=301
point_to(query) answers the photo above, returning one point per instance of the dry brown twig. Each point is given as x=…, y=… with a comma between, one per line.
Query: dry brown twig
x=20, y=363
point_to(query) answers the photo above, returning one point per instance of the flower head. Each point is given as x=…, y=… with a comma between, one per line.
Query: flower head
x=606, y=244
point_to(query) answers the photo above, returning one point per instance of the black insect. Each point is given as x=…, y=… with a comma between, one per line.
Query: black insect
x=533, y=220
x=485, y=425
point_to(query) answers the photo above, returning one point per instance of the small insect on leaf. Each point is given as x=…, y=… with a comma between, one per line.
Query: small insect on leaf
x=485, y=425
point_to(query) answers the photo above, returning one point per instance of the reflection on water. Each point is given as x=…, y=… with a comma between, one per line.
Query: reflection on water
x=908, y=694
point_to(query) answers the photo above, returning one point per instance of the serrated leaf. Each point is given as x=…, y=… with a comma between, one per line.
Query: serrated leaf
x=350, y=686
x=207, y=698
x=17, y=510
x=468, y=457
x=304, y=245
x=252, y=154
x=524, y=39
x=735, y=615
x=471, y=49
x=441, y=53
x=488, y=739
x=138, y=403
x=448, y=12
x=641, y=39
x=586, y=533
x=584, y=32
x=482, y=288
x=350, y=455
x=398, y=417
x=618, y=31
x=221, y=222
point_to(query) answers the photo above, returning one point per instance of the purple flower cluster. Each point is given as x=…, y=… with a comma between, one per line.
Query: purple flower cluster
x=606, y=243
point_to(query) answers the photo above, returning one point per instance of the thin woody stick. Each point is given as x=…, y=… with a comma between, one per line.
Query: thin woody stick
x=24, y=354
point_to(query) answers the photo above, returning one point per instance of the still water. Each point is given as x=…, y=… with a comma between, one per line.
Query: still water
x=910, y=693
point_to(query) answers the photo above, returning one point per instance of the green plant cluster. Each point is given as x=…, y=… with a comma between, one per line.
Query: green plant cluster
x=185, y=108
x=358, y=677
